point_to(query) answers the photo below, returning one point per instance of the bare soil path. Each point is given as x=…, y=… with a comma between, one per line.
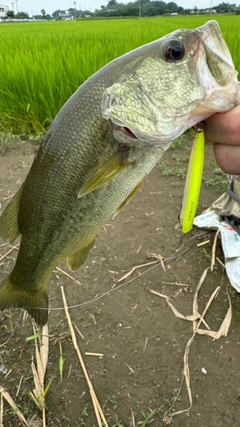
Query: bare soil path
x=141, y=340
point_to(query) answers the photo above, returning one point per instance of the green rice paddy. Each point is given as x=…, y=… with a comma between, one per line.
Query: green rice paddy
x=42, y=64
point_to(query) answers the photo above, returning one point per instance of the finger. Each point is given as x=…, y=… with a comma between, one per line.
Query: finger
x=228, y=158
x=224, y=128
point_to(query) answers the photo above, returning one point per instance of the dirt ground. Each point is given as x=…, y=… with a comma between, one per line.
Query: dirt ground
x=142, y=342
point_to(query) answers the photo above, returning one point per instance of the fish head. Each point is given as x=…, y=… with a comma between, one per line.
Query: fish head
x=170, y=85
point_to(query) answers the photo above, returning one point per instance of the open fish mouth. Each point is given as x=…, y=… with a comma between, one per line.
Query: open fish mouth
x=126, y=135
x=125, y=130
x=129, y=133
x=159, y=98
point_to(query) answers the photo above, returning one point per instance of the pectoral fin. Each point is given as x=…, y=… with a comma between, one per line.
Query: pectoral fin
x=129, y=197
x=9, y=220
x=104, y=174
x=78, y=258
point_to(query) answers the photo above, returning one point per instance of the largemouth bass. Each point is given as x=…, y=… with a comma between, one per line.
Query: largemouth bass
x=104, y=141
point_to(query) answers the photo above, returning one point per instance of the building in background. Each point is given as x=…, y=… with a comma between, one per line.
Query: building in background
x=3, y=11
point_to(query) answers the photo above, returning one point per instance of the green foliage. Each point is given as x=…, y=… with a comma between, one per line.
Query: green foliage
x=118, y=423
x=43, y=63
x=33, y=337
x=181, y=141
x=9, y=315
x=216, y=178
x=10, y=14
x=206, y=255
x=110, y=401
x=148, y=418
x=169, y=170
x=22, y=15
x=40, y=400
x=61, y=363
x=85, y=411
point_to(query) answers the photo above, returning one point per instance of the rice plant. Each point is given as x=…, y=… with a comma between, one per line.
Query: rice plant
x=43, y=63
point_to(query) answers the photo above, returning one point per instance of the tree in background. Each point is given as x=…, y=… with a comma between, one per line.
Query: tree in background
x=132, y=8
x=10, y=13
x=22, y=15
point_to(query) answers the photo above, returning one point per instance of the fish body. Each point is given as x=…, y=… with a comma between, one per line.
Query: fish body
x=104, y=141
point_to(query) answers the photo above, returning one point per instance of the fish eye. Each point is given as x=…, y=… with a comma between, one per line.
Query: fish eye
x=174, y=50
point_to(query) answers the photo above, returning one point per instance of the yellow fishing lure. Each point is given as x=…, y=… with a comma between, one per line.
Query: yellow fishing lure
x=193, y=183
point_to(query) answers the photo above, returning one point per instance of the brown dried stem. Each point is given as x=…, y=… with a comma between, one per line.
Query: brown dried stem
x=97, y=408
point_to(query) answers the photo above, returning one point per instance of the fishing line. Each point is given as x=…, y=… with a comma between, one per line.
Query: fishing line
x=119, y=286
x=89, y=301
x=102, y=295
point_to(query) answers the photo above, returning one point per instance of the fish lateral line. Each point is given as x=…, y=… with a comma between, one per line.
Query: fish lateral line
x=150, y=91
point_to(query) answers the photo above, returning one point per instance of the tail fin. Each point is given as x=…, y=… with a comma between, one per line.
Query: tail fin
x=35, y=302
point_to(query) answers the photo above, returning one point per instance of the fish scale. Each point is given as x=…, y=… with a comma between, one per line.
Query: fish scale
x=103, y=142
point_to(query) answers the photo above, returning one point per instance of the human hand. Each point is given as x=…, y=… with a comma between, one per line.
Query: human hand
x=223, y=129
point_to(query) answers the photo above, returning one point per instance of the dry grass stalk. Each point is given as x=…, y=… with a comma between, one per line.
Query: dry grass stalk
x=1, y=411
x=203, y=243
x=138, y=250
x=10, y=250
x=186, y=369
x=39, y=371
x=199, y=285
x=35, y=421
x=24, y=317
x=145, y=345
x=4, y=244
x=213, y=261
x=9, y=372
x=225, y=325
x=158, y=257
x=160, y=295
x=221, y=263
x=129, y=367
x=13, y=405
x=195, y=297
x=8, y=197
x=78, y=331
x=185, y=285
x=223, y=331
x=19, y=386
x=68, y=275
x=94, y=354
x=93, y=318
x=190, y=317
x=135, y=268
x=133, y=419
x=97, y=408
